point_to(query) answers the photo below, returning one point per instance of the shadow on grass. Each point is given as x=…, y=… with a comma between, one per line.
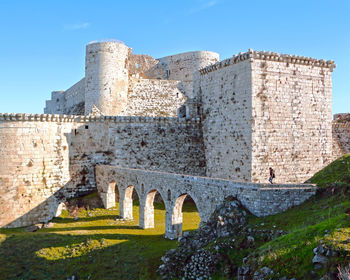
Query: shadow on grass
x=59, y=253
x=135, y=257
x=91, y=228
x=85, y=219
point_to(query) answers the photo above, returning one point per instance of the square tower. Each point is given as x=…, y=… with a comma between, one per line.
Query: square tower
x=263, y=109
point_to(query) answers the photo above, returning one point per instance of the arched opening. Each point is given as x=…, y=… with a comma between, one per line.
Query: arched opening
x=127, y=201
x=147, y=213
x=184, y=216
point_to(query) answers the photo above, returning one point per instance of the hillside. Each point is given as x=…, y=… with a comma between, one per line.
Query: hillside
x=96, y=244
x=284, y=245
x=323, y=220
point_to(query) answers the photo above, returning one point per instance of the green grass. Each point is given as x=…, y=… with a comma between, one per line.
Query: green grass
x=336, y=172
x=94, y=246
x=99, y=247
x=291, y=255
x=324, y=219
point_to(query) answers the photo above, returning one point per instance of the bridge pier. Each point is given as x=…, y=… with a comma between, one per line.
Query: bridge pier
x=108, y=196
x=125, y=203
x=146, y=218
x=174, y=219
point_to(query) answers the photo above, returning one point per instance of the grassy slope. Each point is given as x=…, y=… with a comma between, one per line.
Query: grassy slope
x=322, y=219
x=103, y=248
x=96, y=246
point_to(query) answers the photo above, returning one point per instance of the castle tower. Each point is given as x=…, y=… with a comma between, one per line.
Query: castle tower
x=106, y=77
x=264, y=109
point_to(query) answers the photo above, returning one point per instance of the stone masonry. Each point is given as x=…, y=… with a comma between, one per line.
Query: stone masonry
x=187, y=114
x=49, y=158
x=264, y=110
x=208, y=193
x=341, y=135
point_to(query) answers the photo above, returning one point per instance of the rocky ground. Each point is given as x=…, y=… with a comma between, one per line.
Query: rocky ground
x=205, y=253
x=311, y=241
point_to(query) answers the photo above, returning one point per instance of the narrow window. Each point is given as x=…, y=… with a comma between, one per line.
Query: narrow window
x=169, y=195
x=167, y=73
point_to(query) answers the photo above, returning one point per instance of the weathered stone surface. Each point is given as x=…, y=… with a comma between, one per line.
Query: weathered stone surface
x=207, y=193
x=69, y=102
x=260, y=112
x=235, y=119
x=341, y=135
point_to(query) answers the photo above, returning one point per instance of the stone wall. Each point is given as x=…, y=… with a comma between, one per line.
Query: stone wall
x=282, y=118
x=137, y=142
x=341, y=135
x=182, y=67
x=34, y=167
x=207, y=193
x=153, y=98
x=140, y=64
x=47, y=158
x=69, y=102
x=57, y=103
x=291, y=118
x=226, y=116
x=75, y=99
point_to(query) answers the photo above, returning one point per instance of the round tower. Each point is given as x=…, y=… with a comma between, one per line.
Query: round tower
x=106, y=77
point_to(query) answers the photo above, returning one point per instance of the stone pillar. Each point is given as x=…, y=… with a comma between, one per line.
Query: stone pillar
x=147, y=211
x=106, y=77
x=107, y=195
x=173, y=219
x=173, y=225
x=125, y=204
x=108, y=199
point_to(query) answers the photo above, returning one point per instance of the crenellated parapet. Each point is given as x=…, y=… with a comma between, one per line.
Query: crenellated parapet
x=269, y=56
x=342, y=118
x=89, y=118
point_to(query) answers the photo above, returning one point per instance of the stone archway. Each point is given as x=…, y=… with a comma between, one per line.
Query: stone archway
x=147, y=209
x=174, y=218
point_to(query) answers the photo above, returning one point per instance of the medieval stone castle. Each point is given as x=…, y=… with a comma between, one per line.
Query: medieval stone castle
x=178, y=125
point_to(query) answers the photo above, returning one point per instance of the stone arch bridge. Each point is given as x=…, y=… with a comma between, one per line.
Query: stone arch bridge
x=207, y=193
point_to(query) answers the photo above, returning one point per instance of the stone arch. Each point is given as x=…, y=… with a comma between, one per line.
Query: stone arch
x=174, y=218
x=126, y=202
x=147, y=209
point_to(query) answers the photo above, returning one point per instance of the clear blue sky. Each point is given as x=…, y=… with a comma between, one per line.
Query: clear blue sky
x=43, y=42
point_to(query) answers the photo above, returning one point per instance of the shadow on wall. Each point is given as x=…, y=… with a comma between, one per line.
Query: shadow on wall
x=50, y=158
x=46, y=173
x=42, y=213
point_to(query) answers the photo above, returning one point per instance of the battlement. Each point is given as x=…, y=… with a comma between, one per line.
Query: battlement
x=181, y=120
x=84, y=119
x=342, y=118
x=269, y=56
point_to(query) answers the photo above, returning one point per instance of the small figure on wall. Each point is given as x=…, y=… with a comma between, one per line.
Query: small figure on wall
x=272, y=175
